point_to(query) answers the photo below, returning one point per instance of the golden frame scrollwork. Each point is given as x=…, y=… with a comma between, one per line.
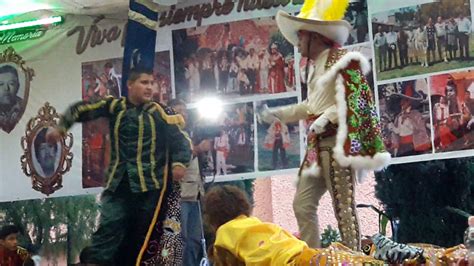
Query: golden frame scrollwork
x=45, y=163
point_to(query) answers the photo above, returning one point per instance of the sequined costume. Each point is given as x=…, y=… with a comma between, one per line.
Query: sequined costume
x=350, y=144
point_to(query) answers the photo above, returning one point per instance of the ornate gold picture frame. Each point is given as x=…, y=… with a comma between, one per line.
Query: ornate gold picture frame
x=15, y=79
x=45, y=163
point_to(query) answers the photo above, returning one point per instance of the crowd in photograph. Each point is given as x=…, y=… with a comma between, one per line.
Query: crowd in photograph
x=425, y=44
x=243, y=70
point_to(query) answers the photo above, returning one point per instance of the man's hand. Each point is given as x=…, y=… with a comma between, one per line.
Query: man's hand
x=318, y=125
x=178, y=173
x=53, y=135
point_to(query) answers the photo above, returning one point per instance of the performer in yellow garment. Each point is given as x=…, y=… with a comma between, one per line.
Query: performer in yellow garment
x=245, y=240
x=259, y=243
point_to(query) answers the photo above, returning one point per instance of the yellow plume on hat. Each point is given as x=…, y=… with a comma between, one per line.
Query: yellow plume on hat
x=324, y=9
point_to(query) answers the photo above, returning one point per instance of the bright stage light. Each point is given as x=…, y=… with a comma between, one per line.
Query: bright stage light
x=37, y=22
x=209, y=108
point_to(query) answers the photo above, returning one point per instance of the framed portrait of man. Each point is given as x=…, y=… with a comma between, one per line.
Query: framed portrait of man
x=15, y=78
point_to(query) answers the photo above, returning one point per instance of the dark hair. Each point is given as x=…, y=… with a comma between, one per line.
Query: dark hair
x=39, y=139
x=175, y=102
x=9, y=69
x=8, y=230
x=450, y=83
x=135, y=73
x=328, y=42
x=224, y=203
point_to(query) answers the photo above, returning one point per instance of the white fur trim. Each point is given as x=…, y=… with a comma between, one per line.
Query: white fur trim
x=344, y=62
x=380, y=160
x=341, y=64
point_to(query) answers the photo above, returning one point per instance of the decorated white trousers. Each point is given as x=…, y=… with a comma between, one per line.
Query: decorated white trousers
x=339, y=182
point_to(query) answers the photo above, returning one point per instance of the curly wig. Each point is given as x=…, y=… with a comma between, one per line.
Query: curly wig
x=224, y=203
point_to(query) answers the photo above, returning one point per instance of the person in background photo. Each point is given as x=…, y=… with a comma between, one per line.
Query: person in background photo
x=464, y=31
x=410, y=31
x=452, y=39
x=278, y=140
x=421, y=45
x=441, y=114
x=431, y=37
x=222, y=148
x=290, y=73
x=276, y=78
x=455, y=112
x=263, y=68
x=380, y=43
x=402, y=43
x=233, y=82
x=409, y=133
x=441, y=38
x=252, y=67
x=392, y=40
x=468, y=115
x=223, y=65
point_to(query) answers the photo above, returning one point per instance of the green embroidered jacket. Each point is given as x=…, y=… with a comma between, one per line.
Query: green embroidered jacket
x=146, y=140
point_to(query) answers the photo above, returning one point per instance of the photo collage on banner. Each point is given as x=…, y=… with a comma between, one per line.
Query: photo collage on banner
x=231, y=135
x=422, y=39
x=452, y=98
x=244, y=60
x=245, y=64
x=248, y=64
x=425, y=94
x=229, y=60
x=100, y=79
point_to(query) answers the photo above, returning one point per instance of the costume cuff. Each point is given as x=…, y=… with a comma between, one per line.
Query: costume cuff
x=173, y=165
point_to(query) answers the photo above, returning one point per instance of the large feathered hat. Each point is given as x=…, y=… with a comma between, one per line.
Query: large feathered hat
x=322, y=16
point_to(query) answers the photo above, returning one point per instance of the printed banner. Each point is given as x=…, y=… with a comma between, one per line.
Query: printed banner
x=232, y=60
x=422, y=81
